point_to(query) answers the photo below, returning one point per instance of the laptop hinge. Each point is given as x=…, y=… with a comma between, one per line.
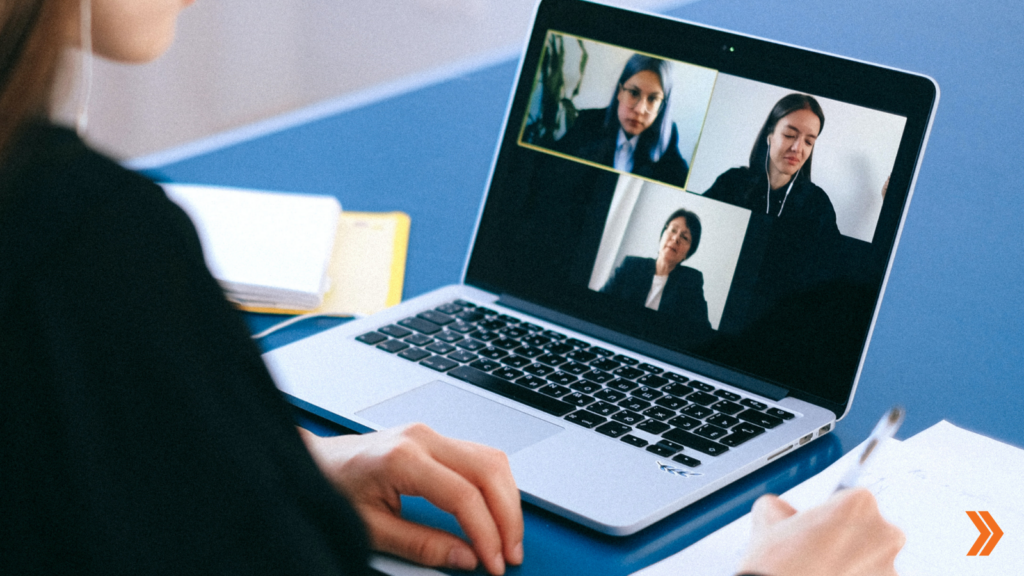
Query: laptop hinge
x=639, y=346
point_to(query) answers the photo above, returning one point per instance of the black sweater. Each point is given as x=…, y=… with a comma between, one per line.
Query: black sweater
x=141, y=431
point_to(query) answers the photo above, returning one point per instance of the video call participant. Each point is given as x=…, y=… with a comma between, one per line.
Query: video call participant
x=143, y=433
x=663, y=283
x=635, y=133
x=777, y=179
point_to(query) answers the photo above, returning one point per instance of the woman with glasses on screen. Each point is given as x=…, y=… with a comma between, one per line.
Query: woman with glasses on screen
x=635, y=133
x=142, y=433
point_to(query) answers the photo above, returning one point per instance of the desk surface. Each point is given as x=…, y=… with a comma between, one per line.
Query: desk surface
x=948, y=343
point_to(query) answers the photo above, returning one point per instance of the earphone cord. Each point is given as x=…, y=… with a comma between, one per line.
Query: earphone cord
x=768, y=195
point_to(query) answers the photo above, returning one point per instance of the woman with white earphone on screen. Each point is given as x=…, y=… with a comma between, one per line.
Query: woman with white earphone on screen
x=777, y=180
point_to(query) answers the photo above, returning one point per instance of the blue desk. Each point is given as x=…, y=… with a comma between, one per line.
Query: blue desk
x=948, y=343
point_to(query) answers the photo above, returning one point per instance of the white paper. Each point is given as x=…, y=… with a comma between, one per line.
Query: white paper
x=925, y=486
x=265, y=248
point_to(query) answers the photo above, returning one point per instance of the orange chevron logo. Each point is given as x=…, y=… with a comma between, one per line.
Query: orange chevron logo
x=990, y=534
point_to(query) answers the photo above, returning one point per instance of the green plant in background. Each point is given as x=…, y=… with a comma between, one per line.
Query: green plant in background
x=555, y=112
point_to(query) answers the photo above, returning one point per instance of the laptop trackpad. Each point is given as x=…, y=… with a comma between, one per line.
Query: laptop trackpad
x=460, y=414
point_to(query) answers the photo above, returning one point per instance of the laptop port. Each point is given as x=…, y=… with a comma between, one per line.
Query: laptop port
x=824, y=429
x=781, y=452
x=806, y=439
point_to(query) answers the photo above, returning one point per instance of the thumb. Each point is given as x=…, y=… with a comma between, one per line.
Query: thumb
x=769, y=510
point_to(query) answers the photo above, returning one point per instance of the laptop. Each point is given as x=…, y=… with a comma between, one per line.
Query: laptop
x=661, y=296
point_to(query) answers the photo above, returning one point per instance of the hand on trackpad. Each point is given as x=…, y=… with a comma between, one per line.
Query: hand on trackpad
x=459, y=414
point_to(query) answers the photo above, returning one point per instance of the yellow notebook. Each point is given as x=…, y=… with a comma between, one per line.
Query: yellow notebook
x=367, y=266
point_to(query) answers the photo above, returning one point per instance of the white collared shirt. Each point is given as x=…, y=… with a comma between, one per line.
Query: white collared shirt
x=624, y=148
x=657, y=288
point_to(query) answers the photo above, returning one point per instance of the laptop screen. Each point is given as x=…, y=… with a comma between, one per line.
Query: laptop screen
x=730, y=200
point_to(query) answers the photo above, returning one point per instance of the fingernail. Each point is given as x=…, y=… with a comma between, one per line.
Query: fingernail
x=499, y=563
x=517, y=554
x=461, y=558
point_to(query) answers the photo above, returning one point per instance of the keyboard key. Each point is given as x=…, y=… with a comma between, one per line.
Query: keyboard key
x=471, y=345
x=609, y=395
x=575, y=368
x=701, y=386
x=625, y=360
x=439, y=363
x=603, y=408
x=514, y=332
x=736, y=438
x=723, y=421
x=710, y=431
x=586, y=419
x=628, y=372
x=538, y=369
x=697, y=411
x=529, y=351
x=553, y=335
x=659, y=413
x=450, y=308
x=531, y=381
x=509, y=390
x=464, y=303
x=371, y=338
x=650, y=368
x=696, y=442
x=461, y=327
x=623, y=385
x=635, y=404
x=628, y=417
x=585, y=386
x=676, y=377
x=758, y=418
x=554, y=390
x=748, y=428
x=550, y=359
x=652, y=381
x=684, y=422
x=779, y=413
x=727, y=395
x=436, y=317
x=562, y=378
x=440, y=348
x=395, y=331
x=485, y=335
x=661, y=450
x=653, y=427
x=507, y=373
x=492, y=353
x=671, y=402
x=605, y=364
x=581, y=356
x=420, y=325
x=598, y=377
x=678, y=389
x=634, y=441
x=536, y=340
x=508, y=319
x=613, y=429
x=686, y=460
x=558, y=348
x=393, y=346
x=505, y=343
x=462, y=356
x=419, y=340
x=516, y=361
x=702, y=398
x=727, y=407
x=648, y=394
x=577, y=343
x=491, y=325
x=577, y=399
x=601, y=351
x=414, y=354
x=485, y=365
x=753, y=404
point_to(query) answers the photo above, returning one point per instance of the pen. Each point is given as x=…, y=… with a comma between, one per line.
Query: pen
x=885, y=428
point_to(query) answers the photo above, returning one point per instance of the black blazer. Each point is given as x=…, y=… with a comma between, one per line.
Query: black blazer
x=683, y=296
x=589, y=139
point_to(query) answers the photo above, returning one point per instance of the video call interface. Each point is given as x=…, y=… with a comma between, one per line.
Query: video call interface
x=709, y=213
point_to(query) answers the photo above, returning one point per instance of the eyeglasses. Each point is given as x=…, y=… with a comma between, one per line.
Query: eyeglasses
x=633, y=96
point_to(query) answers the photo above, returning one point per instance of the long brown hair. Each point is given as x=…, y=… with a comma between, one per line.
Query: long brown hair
x=33, y=35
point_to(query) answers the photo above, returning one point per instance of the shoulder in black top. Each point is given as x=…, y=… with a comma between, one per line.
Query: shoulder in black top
x=142, y=433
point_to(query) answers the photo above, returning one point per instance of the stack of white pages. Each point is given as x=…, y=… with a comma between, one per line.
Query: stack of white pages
x=266, y=249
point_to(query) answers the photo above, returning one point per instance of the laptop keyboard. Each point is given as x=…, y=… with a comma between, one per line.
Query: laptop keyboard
x=593, y=387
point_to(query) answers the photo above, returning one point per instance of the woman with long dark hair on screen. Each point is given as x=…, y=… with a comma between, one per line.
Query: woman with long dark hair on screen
x=777, y=178
x=635, y=133
x=142, y=433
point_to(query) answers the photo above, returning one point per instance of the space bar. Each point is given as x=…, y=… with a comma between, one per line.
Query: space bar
x=510, y=390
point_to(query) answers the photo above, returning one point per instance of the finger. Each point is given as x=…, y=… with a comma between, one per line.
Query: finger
x=417, y=543
x=770, y=509
x=422, y=475
x=488, y=470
